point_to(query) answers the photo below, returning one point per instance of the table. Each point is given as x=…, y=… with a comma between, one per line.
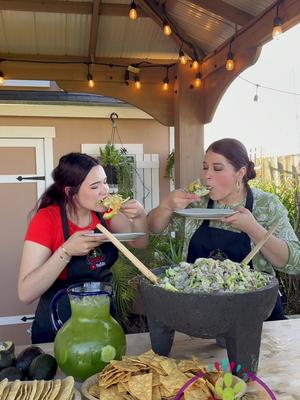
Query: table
x=279, y=356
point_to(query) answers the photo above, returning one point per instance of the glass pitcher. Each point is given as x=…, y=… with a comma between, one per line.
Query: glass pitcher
x=90, y=338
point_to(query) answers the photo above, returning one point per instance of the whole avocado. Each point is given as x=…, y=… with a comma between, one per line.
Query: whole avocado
x=7, y=354
x=26, y=357
x=43, y=366
x=11, y=373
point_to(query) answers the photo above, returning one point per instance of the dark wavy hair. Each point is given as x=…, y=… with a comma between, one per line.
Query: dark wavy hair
x=235, y=152
x=71, y=171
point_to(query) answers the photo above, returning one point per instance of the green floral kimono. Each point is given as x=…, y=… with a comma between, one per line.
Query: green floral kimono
x=267, y=209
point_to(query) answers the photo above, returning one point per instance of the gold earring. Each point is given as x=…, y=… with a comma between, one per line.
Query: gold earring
x=238, y=186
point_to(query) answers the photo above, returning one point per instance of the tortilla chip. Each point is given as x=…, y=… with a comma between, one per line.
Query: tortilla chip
x=156, y=393
x=55, y=389
x=21, y=394
x=94, y=390
x=45, y=391
x=66, y=388
x=110, y=394
x=140, y=386
x=174, y=381
x=195, y=393
x=39, y=389
x=3, y=384
x=13, y=389
x=5, y=392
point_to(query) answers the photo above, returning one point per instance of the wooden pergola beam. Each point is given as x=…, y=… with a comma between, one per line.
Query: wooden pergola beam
x=246, y=48
x=66, y=7
x=225, y=10
x=94, y=30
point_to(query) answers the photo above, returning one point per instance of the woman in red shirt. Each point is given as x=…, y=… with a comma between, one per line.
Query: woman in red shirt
x=57, y=250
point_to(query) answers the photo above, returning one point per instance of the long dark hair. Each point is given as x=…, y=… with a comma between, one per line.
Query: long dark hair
x=71, y=171
x=235, y=152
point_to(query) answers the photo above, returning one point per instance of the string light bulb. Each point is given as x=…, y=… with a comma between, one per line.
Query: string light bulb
x=195, y=64
x=91, y=82
x=198, y=81
x=132, y=12
x=255, y=98
x=1, y=78
x=182, y=57
x=167, y=28
x=277, y=27
x=229, y=61
x=137, y=82
x=166, y=84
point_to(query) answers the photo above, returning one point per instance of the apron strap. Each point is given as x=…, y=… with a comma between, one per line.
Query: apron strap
x=65, y=224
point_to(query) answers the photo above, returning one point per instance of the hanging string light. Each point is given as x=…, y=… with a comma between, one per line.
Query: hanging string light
x=198, y=80
x=132, y=11
x=255, y=98
x=195, y=64
x=229, y=61
x=137, y=82
x=1, y=78
x=277, y=23
x=182, y=56
x=89, y=78
x=166, y=81
x=167, y=28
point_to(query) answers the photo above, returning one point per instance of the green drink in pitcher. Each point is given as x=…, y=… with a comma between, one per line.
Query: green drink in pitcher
x=91, y=338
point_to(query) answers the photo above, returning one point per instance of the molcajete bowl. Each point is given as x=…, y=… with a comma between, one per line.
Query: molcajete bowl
x=238, y=317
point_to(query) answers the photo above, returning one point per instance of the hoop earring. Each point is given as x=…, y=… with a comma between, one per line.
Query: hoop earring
x=238, y=186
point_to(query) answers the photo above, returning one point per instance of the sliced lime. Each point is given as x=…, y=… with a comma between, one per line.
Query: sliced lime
x=108, y=353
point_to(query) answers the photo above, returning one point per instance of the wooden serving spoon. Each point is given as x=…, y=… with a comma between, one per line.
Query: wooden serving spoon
x=260, y=244
x=127, y=253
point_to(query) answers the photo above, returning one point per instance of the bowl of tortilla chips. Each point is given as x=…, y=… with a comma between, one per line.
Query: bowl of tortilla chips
x=149, y=376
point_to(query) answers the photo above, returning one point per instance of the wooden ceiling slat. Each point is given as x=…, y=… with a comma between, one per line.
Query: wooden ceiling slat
x=224, y=10
x=66, y=7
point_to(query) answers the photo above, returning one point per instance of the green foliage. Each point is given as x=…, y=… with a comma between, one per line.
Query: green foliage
x=288, y=193
x=111, y=156
x=169, y=171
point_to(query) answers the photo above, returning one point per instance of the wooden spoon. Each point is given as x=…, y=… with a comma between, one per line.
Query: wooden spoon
x=260, y=244
x=127, y=253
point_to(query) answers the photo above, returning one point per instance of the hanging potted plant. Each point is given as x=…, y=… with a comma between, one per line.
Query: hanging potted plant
x=118, y=169
x=110, y=158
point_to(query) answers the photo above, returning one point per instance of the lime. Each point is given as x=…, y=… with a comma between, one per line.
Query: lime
x=108, y=353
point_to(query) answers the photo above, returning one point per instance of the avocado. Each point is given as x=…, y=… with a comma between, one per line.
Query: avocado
x=43, y=366
x=26, y=356
x=11, y=373
x=7, y=354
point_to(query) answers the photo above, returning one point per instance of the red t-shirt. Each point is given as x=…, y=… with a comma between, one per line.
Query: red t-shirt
x=46, y=229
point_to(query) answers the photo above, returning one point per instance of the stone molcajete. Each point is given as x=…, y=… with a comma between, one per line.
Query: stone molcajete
x=238, y=317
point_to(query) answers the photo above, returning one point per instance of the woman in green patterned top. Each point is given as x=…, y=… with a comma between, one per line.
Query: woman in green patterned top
x=226, y=172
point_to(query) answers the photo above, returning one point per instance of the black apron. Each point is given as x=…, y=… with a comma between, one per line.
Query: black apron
x=94, y=267
x=209, y=242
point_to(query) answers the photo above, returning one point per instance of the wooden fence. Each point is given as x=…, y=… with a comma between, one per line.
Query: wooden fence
x=276, y=169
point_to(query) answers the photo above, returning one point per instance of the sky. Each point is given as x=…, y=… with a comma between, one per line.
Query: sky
x=271, y=125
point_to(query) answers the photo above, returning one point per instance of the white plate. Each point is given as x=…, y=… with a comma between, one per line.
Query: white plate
x=122, y=237
x=206, y=213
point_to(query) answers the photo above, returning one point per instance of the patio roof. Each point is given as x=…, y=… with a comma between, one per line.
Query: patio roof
x=64, y=41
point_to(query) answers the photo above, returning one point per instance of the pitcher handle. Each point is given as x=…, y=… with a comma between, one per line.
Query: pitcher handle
x=55, y=320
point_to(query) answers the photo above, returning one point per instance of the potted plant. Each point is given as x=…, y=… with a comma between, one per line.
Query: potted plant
x=110, y=159
x=119, y=170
